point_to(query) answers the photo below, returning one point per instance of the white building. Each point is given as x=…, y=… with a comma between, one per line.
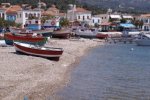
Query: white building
x=95, y=20
x=78, y=14
x=146, y=22
x=129, y=18
x=104, y=17
x=3, y=13
x=23, y=15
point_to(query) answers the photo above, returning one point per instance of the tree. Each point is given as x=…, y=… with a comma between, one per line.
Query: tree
x=64, y=22
x=123, y=20
x=96, y=25
x=5, y=23
x=137, y=23
x=43, y=19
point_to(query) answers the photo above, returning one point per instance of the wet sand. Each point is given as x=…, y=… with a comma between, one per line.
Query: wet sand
x=35, y=77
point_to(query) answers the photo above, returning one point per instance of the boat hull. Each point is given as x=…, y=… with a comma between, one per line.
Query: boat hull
x=53, y=53
x=143, y=42
x=9, y=38
x=102, y=36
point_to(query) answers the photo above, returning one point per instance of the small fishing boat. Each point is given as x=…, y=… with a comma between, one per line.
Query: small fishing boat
x=86, y=33
x=9, y=38
x=2, y=43
x=47, y=52
x=143, y=40
x=101, y=35
x=63, y=34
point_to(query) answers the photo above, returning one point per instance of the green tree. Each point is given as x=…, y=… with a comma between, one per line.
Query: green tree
x=123, y=20
x=43, y=19
x=137, y=23
x=64, y=22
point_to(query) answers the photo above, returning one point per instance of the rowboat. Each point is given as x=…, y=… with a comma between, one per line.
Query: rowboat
x=63, y=34
x=9, y=38
x=86, y=33
x=101, y=36
x=48, y=52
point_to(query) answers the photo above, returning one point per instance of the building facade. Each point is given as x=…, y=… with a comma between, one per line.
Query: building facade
x=145, y=18
x=24, y=15
x=78, y=14
x=95, y=21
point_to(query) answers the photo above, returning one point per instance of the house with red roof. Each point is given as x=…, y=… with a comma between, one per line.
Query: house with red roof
x=78, y=14
x=10, y=12
x=145, y=18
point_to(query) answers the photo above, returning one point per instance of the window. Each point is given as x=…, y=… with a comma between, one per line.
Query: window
x=93, y=20
x=20, y=15
x=102, y=17
x=34, y=14
x=83, y=18
x=78, y=17
x=38, y=15
x=36, y=22
x=88, y=17
x=3, y=15
x=26, y=15
x=98, y=21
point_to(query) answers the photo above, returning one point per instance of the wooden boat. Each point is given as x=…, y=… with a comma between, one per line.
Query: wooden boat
x=47, y=52
x=86, y=33
x=63, y=34
x=9, y=37
x=44, y=33
x=101, y=36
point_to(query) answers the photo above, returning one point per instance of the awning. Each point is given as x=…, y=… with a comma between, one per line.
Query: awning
x=115, y=16
x=127, y=17
x=127, y=25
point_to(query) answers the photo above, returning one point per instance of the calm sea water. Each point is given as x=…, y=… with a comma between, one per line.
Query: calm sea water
x=111, y=72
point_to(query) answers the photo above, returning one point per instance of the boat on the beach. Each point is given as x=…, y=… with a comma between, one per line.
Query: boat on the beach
x=38, y=40
x=101, y=35
x=44, y=32
x=63, y=34
x=143, y=40
x=86, y=33
x=48, y=52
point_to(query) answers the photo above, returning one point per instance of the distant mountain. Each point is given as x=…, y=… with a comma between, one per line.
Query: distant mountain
x=122, y=5
x=117, y=5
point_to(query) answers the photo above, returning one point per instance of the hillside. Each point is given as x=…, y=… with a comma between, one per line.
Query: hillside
x=122, y=5
x=117, y=5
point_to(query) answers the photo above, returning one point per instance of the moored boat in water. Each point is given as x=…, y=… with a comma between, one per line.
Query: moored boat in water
x=48, y=52
x=143, y=40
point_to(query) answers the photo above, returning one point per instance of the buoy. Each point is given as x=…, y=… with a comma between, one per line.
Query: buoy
x=132, y=49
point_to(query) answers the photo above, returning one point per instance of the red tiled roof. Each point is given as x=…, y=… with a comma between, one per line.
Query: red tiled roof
x=106, y=24
x=13, y=9
x=78, y=9
x=145, y=15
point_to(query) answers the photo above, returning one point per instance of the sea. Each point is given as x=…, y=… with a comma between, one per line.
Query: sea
x=111, y=72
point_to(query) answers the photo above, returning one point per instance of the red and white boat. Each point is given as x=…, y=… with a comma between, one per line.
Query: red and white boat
x=101, y=36
x=48, y=52
x=21, y=37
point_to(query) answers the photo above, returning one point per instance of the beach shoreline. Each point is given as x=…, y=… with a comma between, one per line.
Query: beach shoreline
x=39, y=78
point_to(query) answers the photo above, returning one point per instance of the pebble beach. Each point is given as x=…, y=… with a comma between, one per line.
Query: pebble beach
x=39, y=78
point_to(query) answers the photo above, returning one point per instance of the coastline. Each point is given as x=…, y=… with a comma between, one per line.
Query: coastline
x=39, y=78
